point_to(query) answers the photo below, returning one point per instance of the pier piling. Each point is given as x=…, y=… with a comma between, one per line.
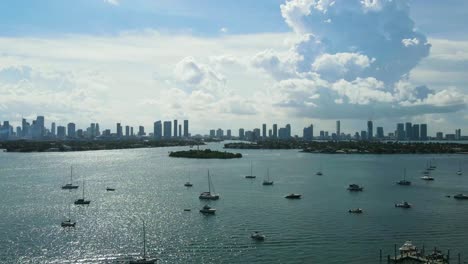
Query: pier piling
x=380, y=255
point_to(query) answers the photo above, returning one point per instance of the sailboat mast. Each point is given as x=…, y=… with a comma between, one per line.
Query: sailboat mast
x=268, y=174
x=83, y=190
x=251, y=168
x=71, y=174
x=404, y=173
x=209, y=182
x=144, y=240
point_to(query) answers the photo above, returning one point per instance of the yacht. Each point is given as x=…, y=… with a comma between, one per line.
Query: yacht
x=461, y=196
x=407, y=247
x=250, y=176
x=267, y=180
x=404, y=181
x=355, y=188
x=144, y=259
x=68, y=222
x=209, y=195
x=82, y=200
x=293, y=196
x=356, y=211
x=257, y=236
x=70, y=186
x=207, y=210
x=403, y=205
x=427, y=178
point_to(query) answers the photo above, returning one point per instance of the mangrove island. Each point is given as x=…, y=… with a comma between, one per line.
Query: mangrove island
x=204, y=154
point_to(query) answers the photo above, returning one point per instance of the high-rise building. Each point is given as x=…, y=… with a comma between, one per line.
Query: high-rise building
x=275, y=131
x=415, y=135
x=175, y=128
x=71, y=128
x=241, y=133
x=228, y=134
x=458, y=134
x=97, y=133
x=119, y=130
x=307, y=133
x=219, y=133
x=40, y=125
x=423, y=131
x=52, y=128
x=338, y=129
x=167, y=129
x=256, y=134
x=264, y=131
x=186, y=129
x=79, y=133
x=131, y=132
x=141, y=131
x=180, y=130
x=212, y=133
x=288, y=131
x=380, y=133
x=61, y=132
x=18, y=131
x=270, y=133
x=370, y=129
x=127, y=131
x=92, y=130
x=157, y=130
x=25, y=128
x=408, y=131
x=400, y=132
x=440, y=136
x=364, y=135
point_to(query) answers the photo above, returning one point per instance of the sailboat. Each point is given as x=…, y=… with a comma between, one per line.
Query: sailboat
x=459, y=172
x=188, y=183
x=70, y=185
x=82, y=201
x=319, y=173
x=209, y=195
x=404, y=181
x=144, y=260
x=68, y=222
x=267, y=180
x=250, y=176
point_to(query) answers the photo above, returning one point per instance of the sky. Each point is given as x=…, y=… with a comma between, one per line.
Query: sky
x=232, y=64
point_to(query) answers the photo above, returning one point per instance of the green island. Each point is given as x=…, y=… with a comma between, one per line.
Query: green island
x=86, y=145
x=356, y=147
x=204, y=154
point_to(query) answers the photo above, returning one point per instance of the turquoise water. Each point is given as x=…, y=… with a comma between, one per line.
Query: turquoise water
x=149, y=185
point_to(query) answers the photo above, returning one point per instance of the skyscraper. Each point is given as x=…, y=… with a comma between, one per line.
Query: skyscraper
x=458, y=134
x=186, y=129
x=415, y=132
x=380, y=133
x=71, y=128
x=370, y=129
x=409, y=131
x=400, y=132
x=97, y=133
x=288, y=131
x=228, y=133
x=175, y=128
x=61, y=132
x=264, y=129
x=141, y=131
x=241, y=133
x=127, y=131
x=423, y=131
x=180, y=130
x=219, y=133
x=52, y=128
x=338, y=129
x=119, y=130
x=157, y=130
x=275, y=131
x=40, y=125
x=307, y=133
x=167, y=129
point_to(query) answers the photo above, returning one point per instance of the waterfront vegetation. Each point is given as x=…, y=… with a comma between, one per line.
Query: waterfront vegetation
x=204, y=154
x=84, y=145
x=355, y=147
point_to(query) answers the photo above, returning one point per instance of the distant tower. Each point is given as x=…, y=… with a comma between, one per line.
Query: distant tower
x=157, y=130
x=338, y=129
x=370, y=130
x=275, y=131
x=175, y=128
x=186, y=129
x=264, y=131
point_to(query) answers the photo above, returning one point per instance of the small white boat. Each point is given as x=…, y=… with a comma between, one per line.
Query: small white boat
x=459, y=172
x=207, y=210
x=356, y=211
x=427, y=178
x=257, y=236
x=461, y=196
x=407, y=247
x=403, y=205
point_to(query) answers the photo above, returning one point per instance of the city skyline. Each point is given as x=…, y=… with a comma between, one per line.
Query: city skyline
x=220, y=71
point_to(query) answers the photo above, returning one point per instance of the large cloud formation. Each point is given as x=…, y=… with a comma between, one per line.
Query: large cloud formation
x=352, y=60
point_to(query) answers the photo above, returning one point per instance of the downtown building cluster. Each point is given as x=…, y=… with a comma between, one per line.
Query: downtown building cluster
x=36, y=130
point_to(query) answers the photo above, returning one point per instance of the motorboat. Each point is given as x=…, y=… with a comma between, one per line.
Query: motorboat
x=461, y=196
x=82, y=200
x=110, y=189
x=293, y=196
x=144, y=259
x=404, y=181
x=267, y=181
x=407, y=247
x=70, y=186
x=427, y=178
x=403, y=205
x=188, y=184
x=209, y=195
x=355, y=211
x=355, y=188
x=187, y=210
x=257, y=236
x=319, y=173
x=207, y=210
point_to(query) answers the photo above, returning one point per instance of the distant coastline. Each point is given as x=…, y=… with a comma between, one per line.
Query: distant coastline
x=355, y=147
x=88, y=145
x=204, y=154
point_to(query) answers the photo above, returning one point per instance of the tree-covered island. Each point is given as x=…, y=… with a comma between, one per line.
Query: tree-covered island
x=204, y=154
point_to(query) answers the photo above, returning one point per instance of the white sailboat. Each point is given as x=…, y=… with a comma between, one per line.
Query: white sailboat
x=209, y=195
x=250, y=176
x=404, y=181
x=70, y=185
x=82, y=201
x=68, y=222
x=188, y=183
x=267, y=181
x=144, y=259
x=459, y=172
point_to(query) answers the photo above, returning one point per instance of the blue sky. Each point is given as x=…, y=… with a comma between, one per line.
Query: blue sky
x=233, y=64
